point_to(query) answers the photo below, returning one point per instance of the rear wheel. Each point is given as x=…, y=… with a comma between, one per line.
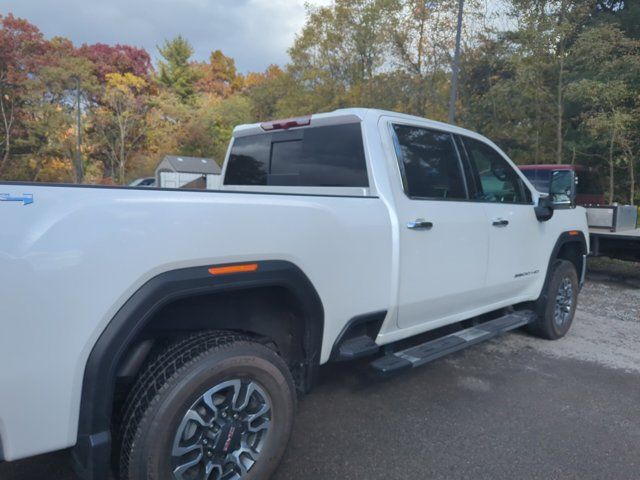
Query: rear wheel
x=557, y=307
x=214, y=406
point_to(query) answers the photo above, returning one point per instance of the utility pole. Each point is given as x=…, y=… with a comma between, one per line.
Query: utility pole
x=79, y=168
x=456, y=67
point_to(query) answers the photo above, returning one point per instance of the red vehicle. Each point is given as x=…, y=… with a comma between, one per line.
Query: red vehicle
x=589, y=190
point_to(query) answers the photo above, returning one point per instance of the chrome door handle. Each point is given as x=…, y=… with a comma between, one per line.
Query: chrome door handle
x=420, y=224
x=500, y=222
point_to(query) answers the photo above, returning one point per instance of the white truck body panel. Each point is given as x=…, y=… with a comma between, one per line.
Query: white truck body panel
x=70, y=260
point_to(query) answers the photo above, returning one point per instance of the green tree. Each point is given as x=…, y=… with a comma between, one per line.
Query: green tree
x=338, y=53
x=176, y=72
x=606, y=95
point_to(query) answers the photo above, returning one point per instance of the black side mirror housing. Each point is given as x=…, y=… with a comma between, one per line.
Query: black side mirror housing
x=544, y=209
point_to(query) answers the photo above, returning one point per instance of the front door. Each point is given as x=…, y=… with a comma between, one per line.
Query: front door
x=443, y=237
x=514, y=231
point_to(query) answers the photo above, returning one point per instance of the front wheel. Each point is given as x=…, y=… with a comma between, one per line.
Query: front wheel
x=557, y=306
x=214, y=406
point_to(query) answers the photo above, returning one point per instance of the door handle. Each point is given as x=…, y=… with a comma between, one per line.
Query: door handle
x=420, y=224
x=499, y=222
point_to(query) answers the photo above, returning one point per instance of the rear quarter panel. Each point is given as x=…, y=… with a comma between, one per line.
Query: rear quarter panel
x=71, y=259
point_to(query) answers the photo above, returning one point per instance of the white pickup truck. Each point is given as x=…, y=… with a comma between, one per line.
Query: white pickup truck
x=164, y=334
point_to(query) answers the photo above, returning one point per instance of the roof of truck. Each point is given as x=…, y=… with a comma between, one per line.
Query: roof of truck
x=356, y=114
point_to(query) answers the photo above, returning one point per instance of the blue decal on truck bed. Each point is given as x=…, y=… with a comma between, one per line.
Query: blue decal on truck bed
x=26, y=198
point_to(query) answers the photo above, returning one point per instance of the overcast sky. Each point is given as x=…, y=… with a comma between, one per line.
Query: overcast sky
x=255, y=32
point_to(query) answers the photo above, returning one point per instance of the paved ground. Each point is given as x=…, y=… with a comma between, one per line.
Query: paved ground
x=516, y=407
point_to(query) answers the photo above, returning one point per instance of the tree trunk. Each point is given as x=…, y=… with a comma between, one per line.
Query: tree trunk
x=632, y=181
x=560, y=110
x=7, y=120
x=611, y=173
x=560, y=99
x=7, y=152
x=122, y=159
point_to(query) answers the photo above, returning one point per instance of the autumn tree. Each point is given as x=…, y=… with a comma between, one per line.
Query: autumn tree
x=121, y=122
x=219, y=77
x=117, y=59
x=21, y=49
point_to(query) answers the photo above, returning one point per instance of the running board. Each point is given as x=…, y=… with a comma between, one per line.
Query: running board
x=396, y=362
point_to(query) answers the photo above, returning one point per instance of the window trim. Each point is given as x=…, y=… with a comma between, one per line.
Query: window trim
x=474, y=175
x=400, y=163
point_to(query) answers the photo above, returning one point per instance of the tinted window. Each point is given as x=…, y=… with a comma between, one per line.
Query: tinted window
x=496, y=180
x=543, y=178
x=430, y=164
x=531, y=175
x=312, y=157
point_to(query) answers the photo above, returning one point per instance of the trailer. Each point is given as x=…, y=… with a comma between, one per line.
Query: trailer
x=613, y=229
x=623, y=245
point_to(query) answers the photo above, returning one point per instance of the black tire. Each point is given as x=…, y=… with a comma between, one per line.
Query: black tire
x=550, y=324
x=178, y=377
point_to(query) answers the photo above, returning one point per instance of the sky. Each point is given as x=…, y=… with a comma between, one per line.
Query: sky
x=256, y=33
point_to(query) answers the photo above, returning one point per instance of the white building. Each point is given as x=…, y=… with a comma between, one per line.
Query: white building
x=188, y=172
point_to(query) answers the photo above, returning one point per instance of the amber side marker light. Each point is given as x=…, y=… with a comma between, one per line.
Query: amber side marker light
x=241, y=268
x=574, y=233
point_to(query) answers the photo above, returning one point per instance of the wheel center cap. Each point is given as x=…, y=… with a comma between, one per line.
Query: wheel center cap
x=229, y=438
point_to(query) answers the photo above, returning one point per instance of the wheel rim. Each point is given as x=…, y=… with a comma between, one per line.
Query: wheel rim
x=223, y=433
x=564, y=302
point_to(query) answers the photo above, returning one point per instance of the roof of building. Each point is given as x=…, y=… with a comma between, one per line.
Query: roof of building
x=191, y=164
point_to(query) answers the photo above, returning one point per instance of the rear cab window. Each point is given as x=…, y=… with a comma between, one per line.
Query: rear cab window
x=315, y=157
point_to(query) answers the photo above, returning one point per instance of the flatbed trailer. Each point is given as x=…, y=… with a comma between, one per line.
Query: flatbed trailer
x=623, y=245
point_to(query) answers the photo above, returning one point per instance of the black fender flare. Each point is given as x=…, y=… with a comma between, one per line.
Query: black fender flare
x=568, y=237
x=92, y=452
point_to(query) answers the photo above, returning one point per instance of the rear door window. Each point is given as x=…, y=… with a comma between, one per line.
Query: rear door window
x=429, y=163
x=330, y=156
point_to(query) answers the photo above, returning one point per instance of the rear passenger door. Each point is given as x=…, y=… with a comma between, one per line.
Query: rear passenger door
x=443, y=237
x=515, y=234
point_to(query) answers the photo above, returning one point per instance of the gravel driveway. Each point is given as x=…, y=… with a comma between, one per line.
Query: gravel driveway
x=516, y=407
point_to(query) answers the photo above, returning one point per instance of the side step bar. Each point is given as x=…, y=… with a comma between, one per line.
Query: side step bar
x=419, y=355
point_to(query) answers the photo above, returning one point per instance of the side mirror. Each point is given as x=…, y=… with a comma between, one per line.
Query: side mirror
x=562, y=189
x=544, y=209
x=562, y=194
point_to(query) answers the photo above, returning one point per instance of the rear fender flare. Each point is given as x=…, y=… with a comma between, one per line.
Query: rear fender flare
x=92, y=452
